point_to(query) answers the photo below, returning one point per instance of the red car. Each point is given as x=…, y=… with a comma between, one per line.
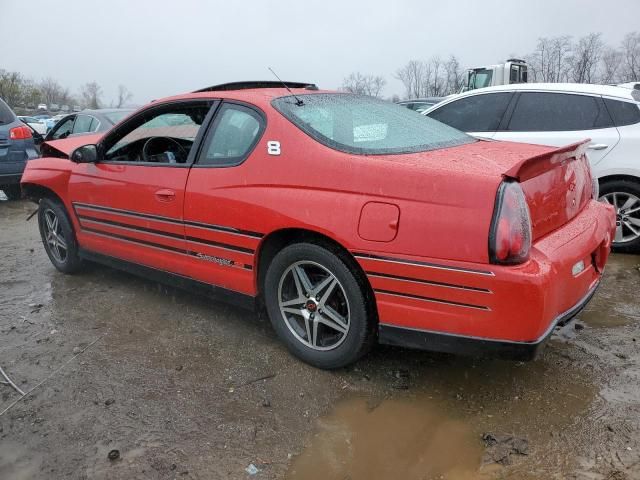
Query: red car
x=353, y=220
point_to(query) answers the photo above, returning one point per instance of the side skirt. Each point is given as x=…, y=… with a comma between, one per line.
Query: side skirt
x=174, y=280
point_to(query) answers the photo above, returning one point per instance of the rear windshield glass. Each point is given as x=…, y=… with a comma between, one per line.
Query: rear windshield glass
x=6, y=115
x=366, y=125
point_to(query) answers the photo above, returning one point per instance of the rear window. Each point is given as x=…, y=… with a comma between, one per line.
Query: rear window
x=623, y=113
x=6, y=115
x=556, y=112
x=366, y=125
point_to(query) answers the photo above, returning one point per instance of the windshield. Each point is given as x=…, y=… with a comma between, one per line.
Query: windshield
x=115, y=117
x=366, y=125
x=480, y=78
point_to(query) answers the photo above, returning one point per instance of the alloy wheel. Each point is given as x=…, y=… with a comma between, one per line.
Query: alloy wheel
x=627, y=208
x=314, y=305
x=54, y=236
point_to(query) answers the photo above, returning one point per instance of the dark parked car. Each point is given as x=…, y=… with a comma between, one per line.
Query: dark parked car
x=420, y=104
x=16, y=147
x=87, y=121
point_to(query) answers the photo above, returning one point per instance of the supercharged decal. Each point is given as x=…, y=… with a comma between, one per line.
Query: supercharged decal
x=225, y=262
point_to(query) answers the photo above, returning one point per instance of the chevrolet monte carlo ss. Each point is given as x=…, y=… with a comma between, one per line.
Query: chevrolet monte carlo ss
x=352, y=220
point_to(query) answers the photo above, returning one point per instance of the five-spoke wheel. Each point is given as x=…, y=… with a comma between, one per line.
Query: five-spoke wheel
x=314, y=305
x=58, y=236
x=318, y=305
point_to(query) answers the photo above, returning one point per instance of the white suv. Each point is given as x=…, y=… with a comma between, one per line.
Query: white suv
x=558, y=114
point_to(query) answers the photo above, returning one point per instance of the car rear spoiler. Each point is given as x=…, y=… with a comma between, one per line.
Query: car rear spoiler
x=534, y=166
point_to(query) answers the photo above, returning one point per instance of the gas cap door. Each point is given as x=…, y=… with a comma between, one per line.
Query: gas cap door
x=379, y=222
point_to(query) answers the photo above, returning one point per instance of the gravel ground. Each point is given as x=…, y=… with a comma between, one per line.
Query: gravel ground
x=185, y=388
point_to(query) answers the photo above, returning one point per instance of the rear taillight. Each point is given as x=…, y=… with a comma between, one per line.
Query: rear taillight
x=510, y=235
x=20, y=133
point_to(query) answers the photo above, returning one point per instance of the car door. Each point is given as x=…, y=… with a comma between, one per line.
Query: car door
x=129, y=203
x=479, y=114
x=62, y=129
x=214, y=209
x=558, y=119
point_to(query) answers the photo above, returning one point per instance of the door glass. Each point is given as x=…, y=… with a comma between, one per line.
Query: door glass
x=477, y=113
x=555, y=112
x=64, y=129
x=235, y=135
x=159, y=135
x=83, y=124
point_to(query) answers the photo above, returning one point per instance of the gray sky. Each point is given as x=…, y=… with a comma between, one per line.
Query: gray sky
x=159, y=48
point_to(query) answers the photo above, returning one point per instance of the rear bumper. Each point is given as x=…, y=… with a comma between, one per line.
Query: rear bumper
x=11, y=172
x=475, y=308
x=475, y=346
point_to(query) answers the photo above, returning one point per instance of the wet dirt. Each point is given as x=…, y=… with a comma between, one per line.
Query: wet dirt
x=186, y=388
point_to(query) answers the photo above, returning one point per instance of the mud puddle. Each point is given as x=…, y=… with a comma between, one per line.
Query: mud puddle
x=399, y=438
x=435, y=431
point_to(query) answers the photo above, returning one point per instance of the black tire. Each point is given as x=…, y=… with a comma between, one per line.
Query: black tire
x=12, y=192
x=70, y=262
x=624, y=187
x=360, y=335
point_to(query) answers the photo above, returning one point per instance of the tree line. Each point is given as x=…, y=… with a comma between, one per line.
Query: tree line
x=20, y=91
x=587, y=59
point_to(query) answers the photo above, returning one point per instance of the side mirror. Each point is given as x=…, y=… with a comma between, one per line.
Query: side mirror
x=85, y=154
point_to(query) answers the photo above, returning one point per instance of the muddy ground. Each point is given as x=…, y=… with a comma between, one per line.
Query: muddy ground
x=171, y=383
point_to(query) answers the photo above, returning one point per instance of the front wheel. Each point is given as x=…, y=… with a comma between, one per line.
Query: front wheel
x=57, y=235
x=317, y=306
x=624, y=195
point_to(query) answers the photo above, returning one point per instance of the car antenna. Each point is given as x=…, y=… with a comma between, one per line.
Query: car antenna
x=299, y=102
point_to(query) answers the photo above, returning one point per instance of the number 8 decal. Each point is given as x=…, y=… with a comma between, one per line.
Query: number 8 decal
x=273, y=147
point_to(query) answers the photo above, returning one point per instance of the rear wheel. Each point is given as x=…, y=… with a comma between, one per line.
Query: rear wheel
x=317, y=306
x=624, y=195
x=12, y=191
x=58, y=237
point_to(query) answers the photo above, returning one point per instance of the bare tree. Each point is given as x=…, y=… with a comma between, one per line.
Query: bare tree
x=124, y=95
x=412, y=77
x=610, y=65
x=549, y=61
x=631, y=57
x=51, y=90
x=455, y=76
x=585, y=58
x=371, y=85
x=91, y=94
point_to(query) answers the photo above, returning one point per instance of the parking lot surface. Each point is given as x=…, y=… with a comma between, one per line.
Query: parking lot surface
x=171, y=385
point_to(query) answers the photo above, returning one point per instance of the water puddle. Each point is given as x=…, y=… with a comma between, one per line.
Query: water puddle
x=616, y=302
x=399, y=438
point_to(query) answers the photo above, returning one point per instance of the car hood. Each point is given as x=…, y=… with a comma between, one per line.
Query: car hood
x=67, y=145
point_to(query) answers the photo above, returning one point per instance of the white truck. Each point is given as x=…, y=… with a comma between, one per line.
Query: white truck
x=512, y=71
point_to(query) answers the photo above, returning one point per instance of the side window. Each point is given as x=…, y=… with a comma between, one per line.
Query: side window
x=235, y=133
x=161, y=134
x=623, y=113
x=64, y=129
x=83, y=124
x=477, y=113
x=556, y=112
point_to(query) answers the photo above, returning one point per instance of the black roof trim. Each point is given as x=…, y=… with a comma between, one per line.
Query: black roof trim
x=256, y=84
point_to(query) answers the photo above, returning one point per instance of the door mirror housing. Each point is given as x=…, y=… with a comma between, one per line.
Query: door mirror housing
x=85, y=154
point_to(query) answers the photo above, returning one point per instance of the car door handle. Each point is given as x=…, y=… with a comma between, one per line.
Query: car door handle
x=166, y=195
x=597, y=146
